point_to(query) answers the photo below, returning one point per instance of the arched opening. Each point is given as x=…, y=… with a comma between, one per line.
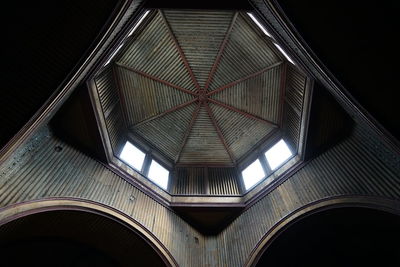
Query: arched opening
x=346, y=236
x=66, y=236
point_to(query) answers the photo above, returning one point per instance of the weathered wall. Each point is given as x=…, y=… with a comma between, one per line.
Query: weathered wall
x=358, y=166
x=38, y=171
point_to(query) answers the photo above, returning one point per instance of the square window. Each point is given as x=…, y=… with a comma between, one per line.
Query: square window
x=278, y=154
x=133, y=156
x=158, y=174
x=253, y=174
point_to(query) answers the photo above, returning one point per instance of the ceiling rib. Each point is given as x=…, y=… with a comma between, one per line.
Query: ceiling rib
x=185, y=62
x=244, y=78
x=189, y=129
x=218, y=130
x=156, y=79
x=164, y=113
x=221, y=50
x=242, y=112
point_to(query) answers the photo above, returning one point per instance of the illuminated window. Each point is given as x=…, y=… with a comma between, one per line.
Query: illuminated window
x=259, y=24
x=278, y=154
x=284, y=53
x=132, y=156
x=113, y=54
x=139, y=22
x=158, y=174
x=253, y=174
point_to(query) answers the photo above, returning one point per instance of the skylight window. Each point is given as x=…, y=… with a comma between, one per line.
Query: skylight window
x=158, y=174
x=253, y=174
x=284, y=53
x=278, y=154
x=113, y=54
x=259, y=24
x=132, y=156
x=138, y=23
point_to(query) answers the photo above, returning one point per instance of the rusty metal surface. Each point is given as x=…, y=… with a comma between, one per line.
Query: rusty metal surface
x=145, y=97
x=167, y=132
x=259, y=95
x=246, y=52
x=154, y=52
x=203, y=144
x=239, y=131
x=200, y=35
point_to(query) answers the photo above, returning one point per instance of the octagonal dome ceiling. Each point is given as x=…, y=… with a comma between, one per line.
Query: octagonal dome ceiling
x=201, y=87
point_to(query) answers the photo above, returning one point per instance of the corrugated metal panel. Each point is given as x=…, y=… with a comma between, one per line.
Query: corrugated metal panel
x=223, y=181
x=107, y=90
x=69, y=173
x=200, y=34
x=241, y=133
x=189, y=181
x=145, y=97
x=203, y=144
x=294, y=97
x=246, y=52
x=167, y=132
x=291, y=126
x=350, y=168
x=260, y=95
x=154, y=52
x=295, y=86
x=115, y=128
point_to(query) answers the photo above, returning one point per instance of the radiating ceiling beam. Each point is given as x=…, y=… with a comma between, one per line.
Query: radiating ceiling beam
x=251, y=116
x=188, y=130
x=244, y=78
x=164, y=113
x=155, y=79
x=219, y=132
x=220, y=51
x=180, y=51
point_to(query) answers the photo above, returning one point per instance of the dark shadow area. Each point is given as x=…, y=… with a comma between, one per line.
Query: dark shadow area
x=356, y=42
x=73, y=238
x=42, y=43
x=338, y=237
